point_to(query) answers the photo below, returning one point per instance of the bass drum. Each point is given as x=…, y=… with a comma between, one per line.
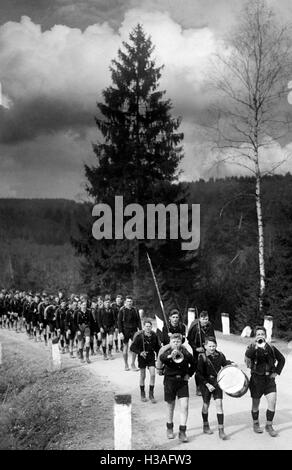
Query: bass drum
x=233, y=381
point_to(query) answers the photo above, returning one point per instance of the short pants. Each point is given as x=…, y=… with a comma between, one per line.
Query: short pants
x=175, y=387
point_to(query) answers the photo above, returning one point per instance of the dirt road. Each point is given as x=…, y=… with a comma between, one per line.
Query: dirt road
x=237, y=410
x=149, y=419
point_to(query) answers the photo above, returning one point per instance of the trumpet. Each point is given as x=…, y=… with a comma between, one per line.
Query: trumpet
x=261, y=342
x=177, y=356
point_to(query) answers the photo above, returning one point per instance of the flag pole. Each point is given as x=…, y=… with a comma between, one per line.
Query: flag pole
x=157, y=289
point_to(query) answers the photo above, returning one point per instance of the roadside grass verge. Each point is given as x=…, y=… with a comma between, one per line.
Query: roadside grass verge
x=43, y=410
x=29, y=416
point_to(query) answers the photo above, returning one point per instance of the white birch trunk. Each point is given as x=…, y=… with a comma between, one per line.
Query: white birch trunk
x=260, y=236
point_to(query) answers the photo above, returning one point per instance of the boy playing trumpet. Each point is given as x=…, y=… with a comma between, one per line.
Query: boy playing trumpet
x=265, y=362
x=179, y=367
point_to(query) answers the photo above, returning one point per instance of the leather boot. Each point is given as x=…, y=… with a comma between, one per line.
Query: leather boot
x=222, y=434
x=256, y=427
x=206, y=429
x=169, y=431
x=182, y=434
x=143, y=396
x=151, y=398
x=269, y=428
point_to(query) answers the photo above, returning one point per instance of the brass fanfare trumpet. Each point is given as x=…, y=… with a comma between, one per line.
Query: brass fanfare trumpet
x=177, y=356
x=261, y=342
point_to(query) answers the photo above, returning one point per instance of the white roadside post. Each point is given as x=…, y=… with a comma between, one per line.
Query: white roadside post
x=0, y=354
x=123, y=422
x=191, y=316
x=56, y=356
x=225, y=323
x=268, y=324
x=246, y=332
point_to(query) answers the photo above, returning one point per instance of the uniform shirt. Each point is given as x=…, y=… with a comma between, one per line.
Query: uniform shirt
x=149, y=343
x=197, y=334
x=34, y=311
x=49, y=313
x=264, y=361
x=2, y=307
x=60, y=318
x=71, y=320
x=209, y=365
x=15, y=305
x=41, y=309
x=83, y=317
x=129, y=319
x=7, y=304
x=106, y=318
x=27, y=311
x=180, y=328
x=172, y=369
x=116, y=308
x=94, y=321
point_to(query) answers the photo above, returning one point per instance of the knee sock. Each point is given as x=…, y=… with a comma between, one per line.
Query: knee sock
x=255, y=415
x=205, y=417
x=220, y=418
x=270, y=416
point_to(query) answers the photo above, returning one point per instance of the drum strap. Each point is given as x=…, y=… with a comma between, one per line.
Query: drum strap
x=207, y=360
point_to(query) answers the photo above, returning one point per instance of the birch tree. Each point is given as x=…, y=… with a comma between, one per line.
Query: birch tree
x=251, y=77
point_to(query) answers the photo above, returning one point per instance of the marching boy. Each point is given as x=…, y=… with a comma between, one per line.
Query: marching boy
x=179, y=367
x=266, y=363
x=146, y=344
x=174, y=326
x=198, y=332
x=209, y=364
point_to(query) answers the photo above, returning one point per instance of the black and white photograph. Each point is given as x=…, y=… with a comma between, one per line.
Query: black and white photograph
x=145, y=228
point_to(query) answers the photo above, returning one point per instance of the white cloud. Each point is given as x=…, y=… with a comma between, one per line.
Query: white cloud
x=70, y=65
x=62, y=63
x=69, y=68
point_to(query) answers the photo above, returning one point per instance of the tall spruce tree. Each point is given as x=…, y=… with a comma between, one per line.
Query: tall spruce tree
x=140, y=146
x=138, y=158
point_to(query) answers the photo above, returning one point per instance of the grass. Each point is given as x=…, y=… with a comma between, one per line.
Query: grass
x=45, y=410
x=30, y=416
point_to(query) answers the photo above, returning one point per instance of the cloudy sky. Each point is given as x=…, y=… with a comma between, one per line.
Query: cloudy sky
x=54, y=63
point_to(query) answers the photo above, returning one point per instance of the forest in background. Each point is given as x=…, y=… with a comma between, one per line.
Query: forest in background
x=36, y=251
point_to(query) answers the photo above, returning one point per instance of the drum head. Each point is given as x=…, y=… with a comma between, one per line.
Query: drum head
x=232, y=381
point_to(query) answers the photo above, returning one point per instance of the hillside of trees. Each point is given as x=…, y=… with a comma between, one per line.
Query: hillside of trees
x=36, y=250
x=35, y=247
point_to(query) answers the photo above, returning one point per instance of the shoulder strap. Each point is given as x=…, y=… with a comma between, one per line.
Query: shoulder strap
x=211, y=363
